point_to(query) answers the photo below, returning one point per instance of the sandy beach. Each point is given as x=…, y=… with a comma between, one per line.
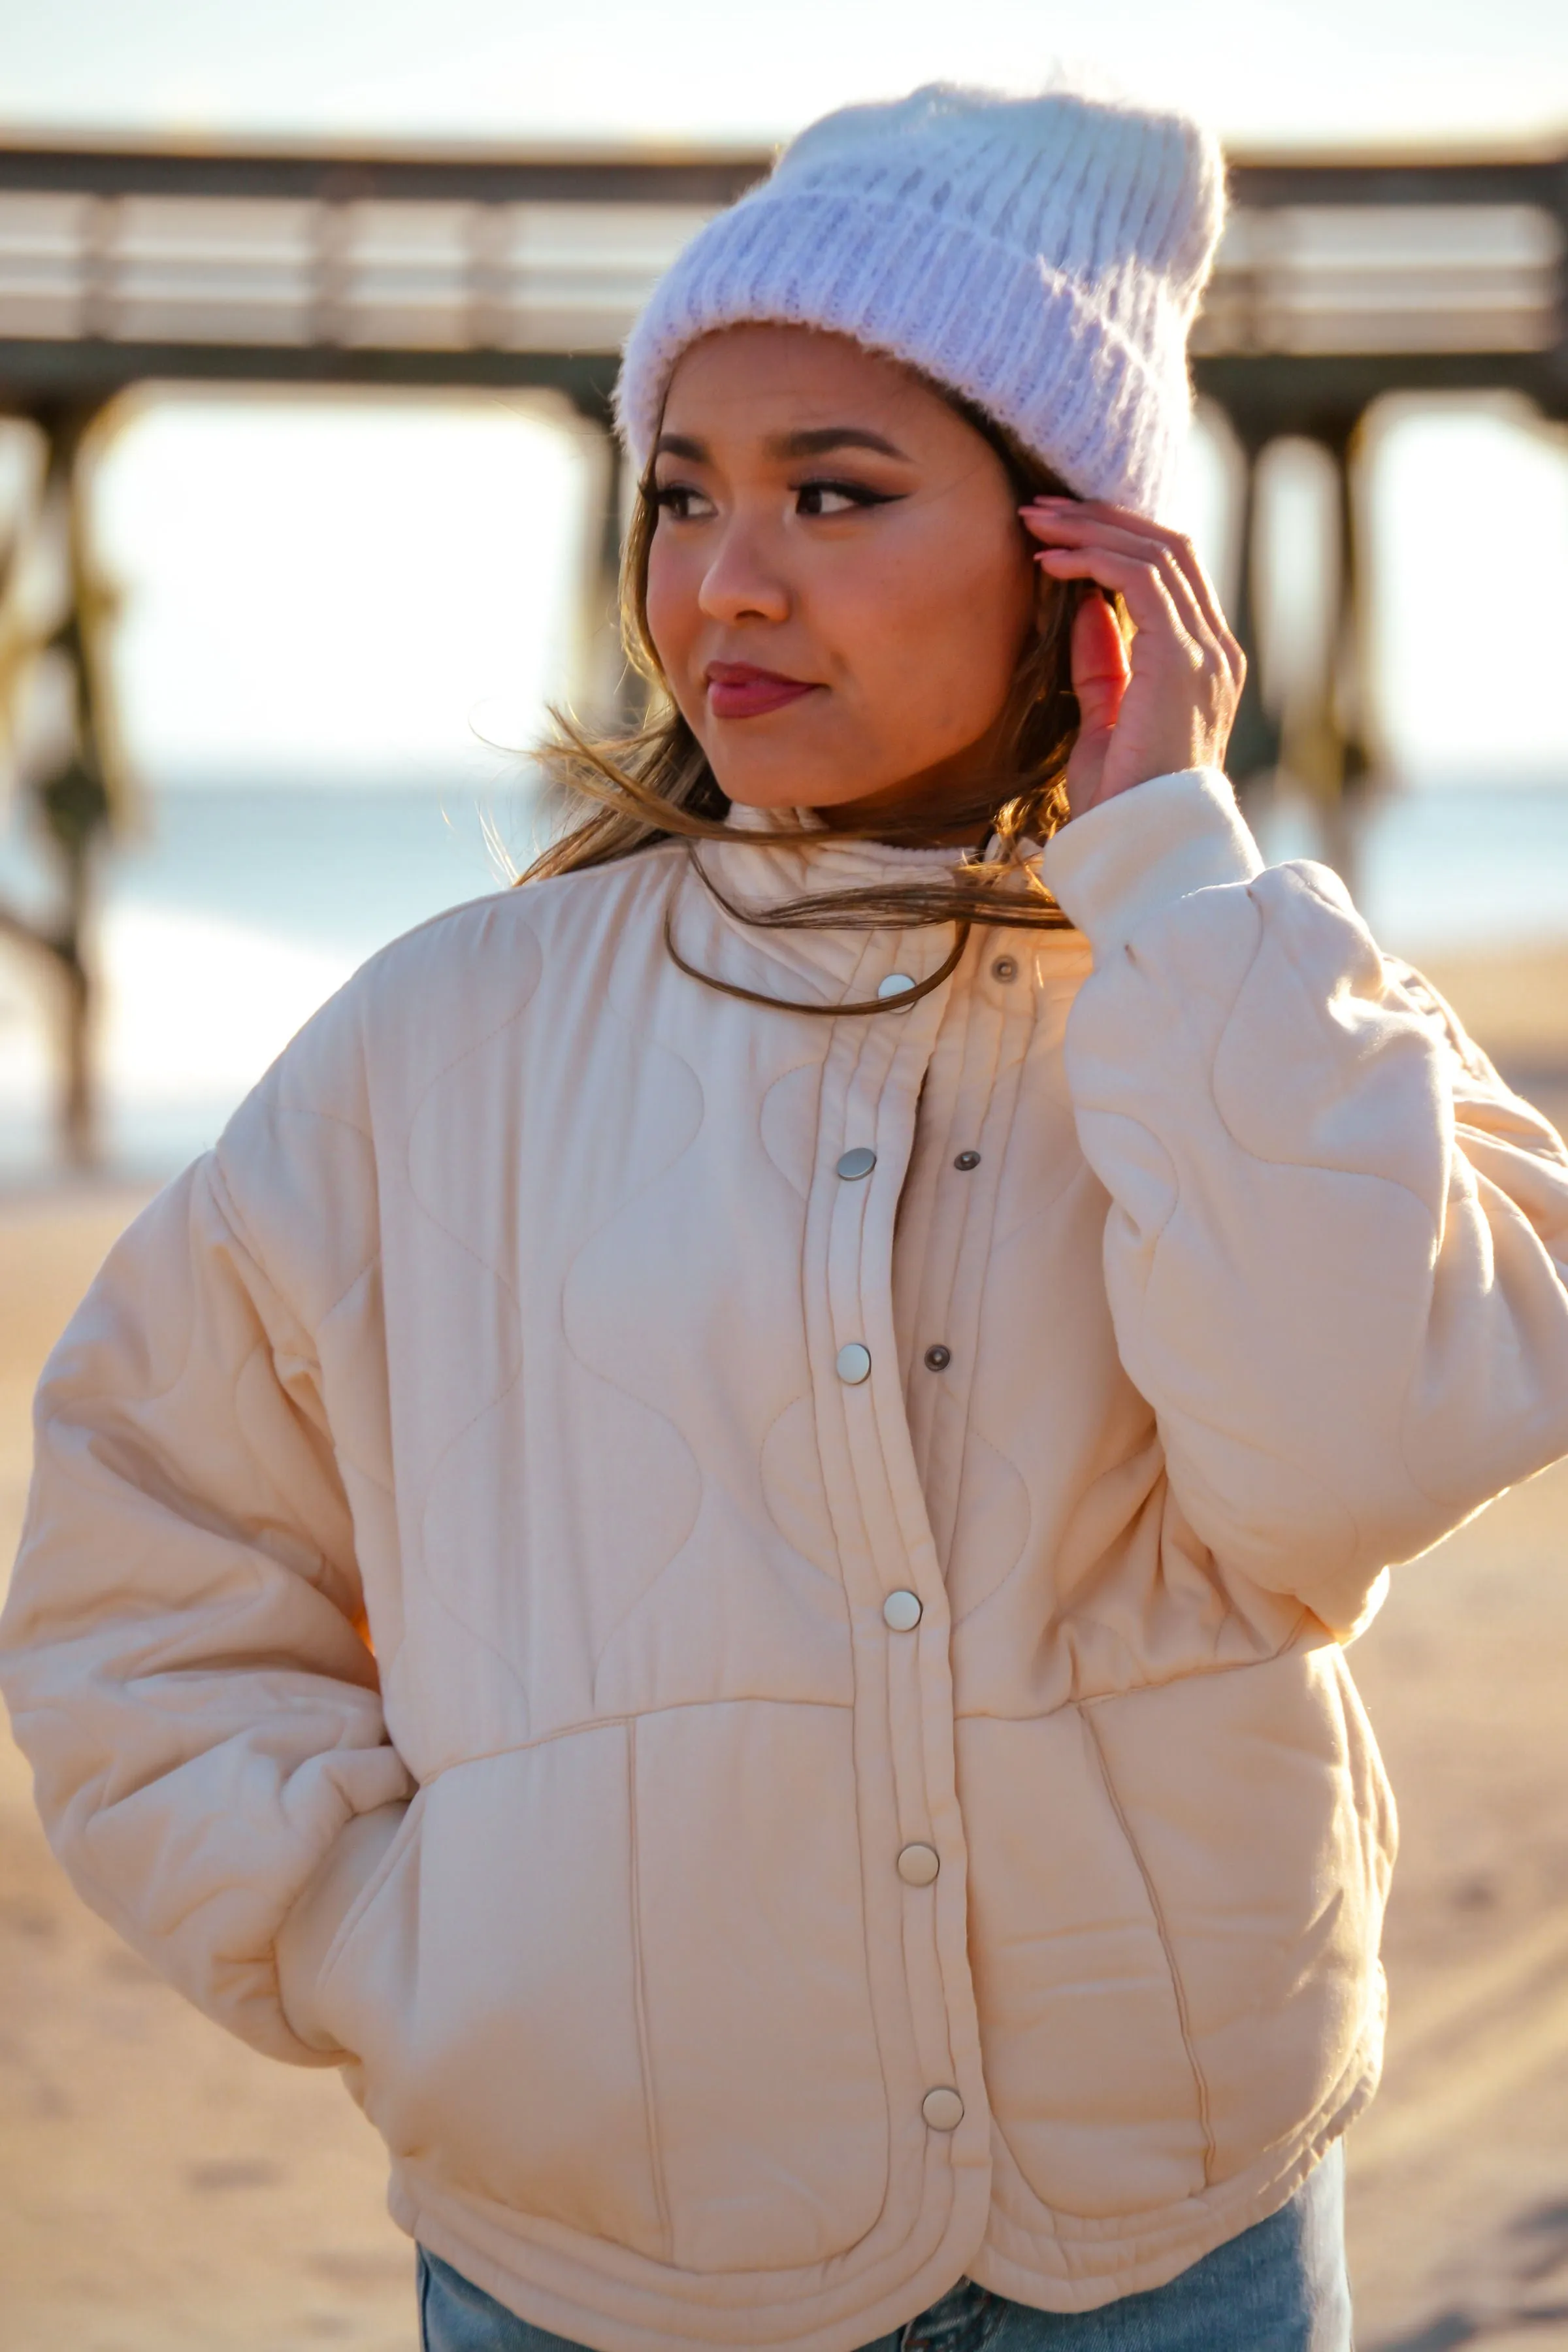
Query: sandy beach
x=161, y=2190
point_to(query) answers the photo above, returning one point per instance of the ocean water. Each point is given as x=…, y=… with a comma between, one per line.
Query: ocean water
x=224, y=919
x=236, y=910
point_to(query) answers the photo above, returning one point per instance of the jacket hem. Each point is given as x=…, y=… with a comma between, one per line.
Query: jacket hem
x=550, y=2286
x=534, y=2281
x=1154, y=2250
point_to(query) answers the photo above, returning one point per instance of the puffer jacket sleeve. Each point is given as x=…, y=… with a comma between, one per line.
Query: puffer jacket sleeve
x=182, y=1649
x=1337, y=1245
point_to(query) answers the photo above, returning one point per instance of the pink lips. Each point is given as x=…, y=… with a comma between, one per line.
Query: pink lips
x=738, y=691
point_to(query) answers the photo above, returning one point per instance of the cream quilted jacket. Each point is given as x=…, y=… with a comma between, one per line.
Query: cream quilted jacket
x=852, y=1779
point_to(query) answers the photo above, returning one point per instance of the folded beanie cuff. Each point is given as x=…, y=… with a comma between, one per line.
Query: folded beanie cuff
x=1040, y=256
x=900, y=284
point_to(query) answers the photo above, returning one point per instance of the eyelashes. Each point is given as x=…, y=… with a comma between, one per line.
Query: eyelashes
x=674, y=498
x=854, y=494
x=815, y=499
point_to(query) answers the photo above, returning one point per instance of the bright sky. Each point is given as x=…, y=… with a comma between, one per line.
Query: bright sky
x=375, y=590
x=1262, y=70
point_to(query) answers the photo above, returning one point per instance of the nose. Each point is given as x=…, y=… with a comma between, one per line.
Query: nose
x=742, y=582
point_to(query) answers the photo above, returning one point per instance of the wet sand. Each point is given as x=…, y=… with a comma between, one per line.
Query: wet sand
x=163, y=2189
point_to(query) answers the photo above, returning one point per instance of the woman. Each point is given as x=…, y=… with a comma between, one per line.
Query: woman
x=712, y=1547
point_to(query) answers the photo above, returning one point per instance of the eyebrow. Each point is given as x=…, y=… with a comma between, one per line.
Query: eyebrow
x=827, y=437
x=817, y=443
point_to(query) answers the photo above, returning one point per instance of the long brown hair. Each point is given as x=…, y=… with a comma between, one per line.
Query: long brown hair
x=627, y=791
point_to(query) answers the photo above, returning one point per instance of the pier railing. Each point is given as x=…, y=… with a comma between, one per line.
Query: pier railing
x=1340, y=279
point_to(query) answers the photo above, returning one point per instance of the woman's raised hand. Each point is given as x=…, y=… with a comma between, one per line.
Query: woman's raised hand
x=1166, y=702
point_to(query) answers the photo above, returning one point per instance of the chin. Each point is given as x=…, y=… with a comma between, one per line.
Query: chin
x=749, y=792
x=781, y=762
x=786, y=786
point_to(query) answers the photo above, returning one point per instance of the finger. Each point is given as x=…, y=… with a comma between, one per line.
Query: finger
x=1139, y=585
x=1178, y=586
x=1186, y=587
x=1145, y=527
x=1185, y=555
x=1051, y=513
x=1101, y=670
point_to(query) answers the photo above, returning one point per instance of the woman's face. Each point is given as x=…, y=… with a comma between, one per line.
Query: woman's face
x=839, y=587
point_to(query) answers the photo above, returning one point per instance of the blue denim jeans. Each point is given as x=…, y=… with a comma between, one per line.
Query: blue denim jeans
x=1280, y=2287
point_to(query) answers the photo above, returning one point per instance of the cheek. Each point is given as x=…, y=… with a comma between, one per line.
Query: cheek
x=671, y=604
x=946, y=630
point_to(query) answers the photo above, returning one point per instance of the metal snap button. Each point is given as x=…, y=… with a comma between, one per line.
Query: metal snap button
x=939, y=1358
x=897, y=983
x=917, y=1864
x=1005, y=968
x=901, y=1611
x=966, y=1160
x=854, y=1363
x=853, y=1165
x=942, y=2109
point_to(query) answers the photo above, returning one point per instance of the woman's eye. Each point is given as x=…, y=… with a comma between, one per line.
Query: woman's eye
x=681, y=502
x=837, y=497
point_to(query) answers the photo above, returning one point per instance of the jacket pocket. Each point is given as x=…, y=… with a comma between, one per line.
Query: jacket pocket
x=1087, y=2058
x=1260, y=1814
x=487, y=1990
x=619, y=1981
x=1176, y=1901
x=770, y=2107
x=364, y=1854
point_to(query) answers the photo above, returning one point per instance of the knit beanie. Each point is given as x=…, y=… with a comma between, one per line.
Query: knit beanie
x=1043, y=256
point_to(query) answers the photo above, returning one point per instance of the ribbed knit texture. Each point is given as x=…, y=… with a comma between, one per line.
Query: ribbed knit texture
x=1041, y=255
